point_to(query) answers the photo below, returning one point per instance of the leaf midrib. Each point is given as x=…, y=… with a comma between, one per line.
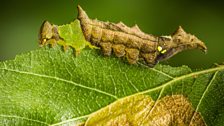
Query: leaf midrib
x=60, y=79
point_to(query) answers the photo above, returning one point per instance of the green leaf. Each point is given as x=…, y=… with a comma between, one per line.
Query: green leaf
x=72, y=35
x=51, y=87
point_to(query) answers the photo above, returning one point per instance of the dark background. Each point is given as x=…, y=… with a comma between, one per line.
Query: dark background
x=20, y=21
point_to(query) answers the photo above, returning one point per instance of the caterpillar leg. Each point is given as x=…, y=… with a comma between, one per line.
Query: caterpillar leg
x=132, y=55
x=51, y=42
x=119, y=50
x=106, y=48
x=149, y=58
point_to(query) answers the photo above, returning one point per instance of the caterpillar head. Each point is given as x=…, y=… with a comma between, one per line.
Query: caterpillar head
x=47, y=32
x=178, y=42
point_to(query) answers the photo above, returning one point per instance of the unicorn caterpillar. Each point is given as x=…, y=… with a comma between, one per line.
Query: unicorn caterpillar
x=124, y=41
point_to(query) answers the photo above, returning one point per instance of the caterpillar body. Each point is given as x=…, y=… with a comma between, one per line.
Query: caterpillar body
x=133, y=43
x=129, y=42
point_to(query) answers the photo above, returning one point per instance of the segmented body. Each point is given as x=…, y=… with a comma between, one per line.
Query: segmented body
x=120, y=39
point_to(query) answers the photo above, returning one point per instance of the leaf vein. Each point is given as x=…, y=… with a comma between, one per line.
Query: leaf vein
x=23, y=118
x=182, y=77
x=70, y=120
x=63, y=80
x=206, y=90
x=203, y=95
x=161, y=72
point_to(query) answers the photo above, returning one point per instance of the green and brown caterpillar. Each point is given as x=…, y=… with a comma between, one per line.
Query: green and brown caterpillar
x=122, y=40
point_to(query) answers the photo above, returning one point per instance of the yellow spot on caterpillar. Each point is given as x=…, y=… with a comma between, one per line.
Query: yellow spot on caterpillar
x=164, y=51
x=44, y=40
x=159, y=48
